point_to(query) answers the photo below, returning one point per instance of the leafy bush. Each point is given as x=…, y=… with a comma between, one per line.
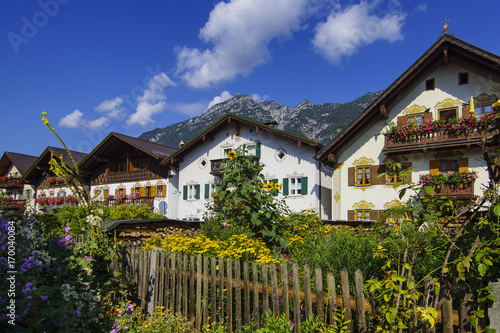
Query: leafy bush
x=132, y=212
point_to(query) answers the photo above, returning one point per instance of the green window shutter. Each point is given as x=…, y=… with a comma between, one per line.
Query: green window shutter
x=197, y=193
x=285, y=186
x=257, y=149
x=303, y=189
x=275, y=192
x=185, y=192
x=207, y=191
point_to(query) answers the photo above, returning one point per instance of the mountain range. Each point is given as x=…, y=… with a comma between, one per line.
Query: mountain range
x=319, y=122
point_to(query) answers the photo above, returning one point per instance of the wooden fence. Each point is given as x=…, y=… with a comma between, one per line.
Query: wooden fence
x=208, y=290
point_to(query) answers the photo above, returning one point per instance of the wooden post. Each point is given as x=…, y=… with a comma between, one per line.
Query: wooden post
x=205, y=291
x=256, y=304
x=237, y=292
x=168, y=273
x=284, y=290
x=198, y=292
x=185, y=289
x=179, y=282
x=191, y=287
x=221, y=290
x=296, y=298
x=246, y=292
x=307, y=291
x=360, y=301
x=172, y=281
x=213, y=271
x=229, y=295
x=319, y=294
x=332, y=298
x=265, y=293
x=429, y=299
x=346, y=298
x=274, y=288
x=154, y=253
x=446, y=309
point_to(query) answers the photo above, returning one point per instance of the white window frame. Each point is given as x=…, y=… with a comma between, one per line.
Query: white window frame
x=191, y=192
x=295, y=186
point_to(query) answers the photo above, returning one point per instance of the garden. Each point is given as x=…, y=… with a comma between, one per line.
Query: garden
x=58, y=275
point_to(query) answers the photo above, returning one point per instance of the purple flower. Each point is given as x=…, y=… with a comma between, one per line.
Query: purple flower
x=44, y=298
x=77, y=313
x=130, y=308
x=67, y=229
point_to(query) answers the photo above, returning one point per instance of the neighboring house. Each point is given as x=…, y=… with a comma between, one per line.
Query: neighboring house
x=439, y=85
x=46, y=184
x=12, y=167
x=122, y=168
x=287, y=158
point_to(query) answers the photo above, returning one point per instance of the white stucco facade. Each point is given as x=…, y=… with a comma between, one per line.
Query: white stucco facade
x=283, y=158
x=367, y=146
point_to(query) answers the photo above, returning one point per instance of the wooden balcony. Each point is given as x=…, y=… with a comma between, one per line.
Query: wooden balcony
x=143, y=200
x=459, y=192
x=436, y=141
x=129, y=175
x=13, y=205
x=13, y=182
x=215, y=165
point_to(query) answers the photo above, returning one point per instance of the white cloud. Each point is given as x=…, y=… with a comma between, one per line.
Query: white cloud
x=224, y=96
x=259, y=98
x=72, y=120
x=152, y=102
x=240, y=32
x=112, y=108
x=76, y=120
x=421, y=7
x=344, y=32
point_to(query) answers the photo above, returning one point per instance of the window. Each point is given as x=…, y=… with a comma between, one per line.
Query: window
x=191, y=192
x=415, y=119
x=463, y=78
x=148, y=192
x=430, y=84
x=294, y=185
x=252, y=150
x=61, y=194
x=363, y=214
x=226, y=152
x=161, y=190
x=209, y=189
x=363, y=175
x=483, y=110
x=391, y=220
x=448, y=114
x=448, y=166
x=394, y=176
x=118, y=166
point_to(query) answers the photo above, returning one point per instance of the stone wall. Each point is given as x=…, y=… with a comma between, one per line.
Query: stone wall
x=138, y=230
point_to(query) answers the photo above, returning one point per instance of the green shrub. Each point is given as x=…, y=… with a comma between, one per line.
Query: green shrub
x=132, y=212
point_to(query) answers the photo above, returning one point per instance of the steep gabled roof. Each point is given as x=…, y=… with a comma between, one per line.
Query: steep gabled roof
x=223, y=122
x=447, y=49
x=21, y=161
x=114, y=141
x=36, y=172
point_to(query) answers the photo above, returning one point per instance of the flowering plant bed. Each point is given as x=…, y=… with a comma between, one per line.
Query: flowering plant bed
x=56, y=201
x=407, y=132
x=454, y=179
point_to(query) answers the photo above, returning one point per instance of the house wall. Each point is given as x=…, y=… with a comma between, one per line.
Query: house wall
x=369, y=143
x=24, y=193
x=297, y=162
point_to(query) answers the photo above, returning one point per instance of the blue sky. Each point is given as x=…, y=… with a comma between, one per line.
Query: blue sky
x=132, y=66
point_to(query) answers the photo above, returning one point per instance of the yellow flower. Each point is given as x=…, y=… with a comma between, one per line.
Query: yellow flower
x=277, y=186
x=231, y=154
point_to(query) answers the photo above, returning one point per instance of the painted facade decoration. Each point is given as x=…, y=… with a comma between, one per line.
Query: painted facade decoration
x=453, y=80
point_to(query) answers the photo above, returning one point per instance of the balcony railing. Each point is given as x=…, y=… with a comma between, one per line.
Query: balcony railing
x=13, y=182
x=436, y=140
x=215, y=165
x=128, y=175
x=13, y=205
x=460, y=192
x=143, y=200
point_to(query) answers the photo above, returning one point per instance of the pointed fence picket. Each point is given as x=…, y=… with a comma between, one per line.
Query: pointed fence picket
x=207, y=290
